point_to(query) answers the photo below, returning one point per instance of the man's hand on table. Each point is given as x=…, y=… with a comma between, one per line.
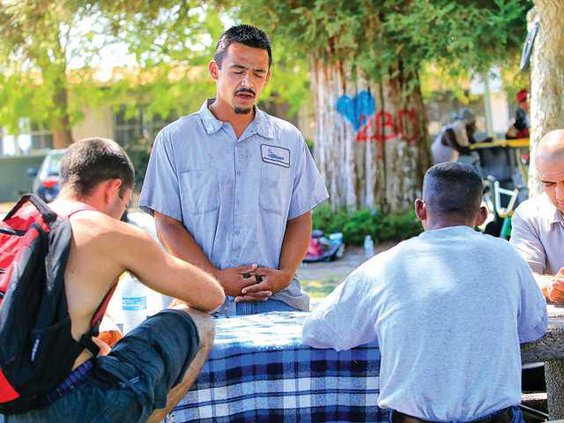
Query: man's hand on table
x=233, y=279
x=268, y=280
x=554, y=290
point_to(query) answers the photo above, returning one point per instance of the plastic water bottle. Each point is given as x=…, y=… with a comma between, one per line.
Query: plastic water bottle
x=133, y=302
x=368, y=246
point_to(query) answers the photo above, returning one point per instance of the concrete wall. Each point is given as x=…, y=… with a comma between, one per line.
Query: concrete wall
x=96, y=123
x=13, y=175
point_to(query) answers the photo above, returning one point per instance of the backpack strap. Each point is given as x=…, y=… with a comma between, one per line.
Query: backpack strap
x=47, y=214
x=101, y=310
x=84, y=207
x=86, y=342
x=86, y=339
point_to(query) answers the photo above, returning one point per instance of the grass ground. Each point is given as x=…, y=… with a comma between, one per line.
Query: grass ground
x=319, y=279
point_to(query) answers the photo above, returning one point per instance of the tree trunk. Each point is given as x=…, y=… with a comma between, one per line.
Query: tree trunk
x=371, y=139
x=547, y=76
x=60, y=123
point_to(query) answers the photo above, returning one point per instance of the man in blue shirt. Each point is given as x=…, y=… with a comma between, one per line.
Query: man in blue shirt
x=447, y=316
x=231, y=187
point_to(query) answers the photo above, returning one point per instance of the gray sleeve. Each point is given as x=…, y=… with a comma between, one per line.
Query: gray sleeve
x=348, y=306
x=525, y=238
x=161, y=189
x=532, y=319
x=308, y=188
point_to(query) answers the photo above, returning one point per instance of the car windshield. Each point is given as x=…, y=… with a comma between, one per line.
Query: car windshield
x=55, y=164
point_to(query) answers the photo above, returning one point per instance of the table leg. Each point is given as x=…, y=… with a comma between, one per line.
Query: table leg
x=554, y=375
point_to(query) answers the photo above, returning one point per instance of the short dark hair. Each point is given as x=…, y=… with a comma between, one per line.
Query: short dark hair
x=247, y=35
x=93, y=160
x=452, y=188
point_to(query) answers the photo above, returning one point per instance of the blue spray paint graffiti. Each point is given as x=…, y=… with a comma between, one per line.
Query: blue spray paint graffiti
x=381, y=126
x=357, y=110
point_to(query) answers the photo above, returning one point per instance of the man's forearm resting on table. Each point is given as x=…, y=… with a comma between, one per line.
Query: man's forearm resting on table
x=179, y=242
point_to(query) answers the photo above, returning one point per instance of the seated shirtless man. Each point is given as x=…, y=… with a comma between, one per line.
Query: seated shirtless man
x=129, y=382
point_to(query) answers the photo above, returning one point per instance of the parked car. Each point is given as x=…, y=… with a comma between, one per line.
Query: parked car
x=46, y=182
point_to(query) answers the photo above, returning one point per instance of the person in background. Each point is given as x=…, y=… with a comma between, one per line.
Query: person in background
x=455, y=138
x=538, y=223
x=448, y=318
x=520, y=128
x=232, y=188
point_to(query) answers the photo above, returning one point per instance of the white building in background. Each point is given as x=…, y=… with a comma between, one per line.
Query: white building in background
x=496, y=105
x=101, y=122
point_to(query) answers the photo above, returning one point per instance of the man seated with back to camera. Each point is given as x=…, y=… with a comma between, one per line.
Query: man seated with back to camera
x=448, y=318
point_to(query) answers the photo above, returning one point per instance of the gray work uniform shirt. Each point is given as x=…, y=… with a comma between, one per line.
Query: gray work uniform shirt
x=234, y=196
x=538, y=234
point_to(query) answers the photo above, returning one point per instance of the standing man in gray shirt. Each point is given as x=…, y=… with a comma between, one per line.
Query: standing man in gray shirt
x=232, y=188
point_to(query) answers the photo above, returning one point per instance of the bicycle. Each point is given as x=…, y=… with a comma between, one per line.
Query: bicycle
x=493, y=193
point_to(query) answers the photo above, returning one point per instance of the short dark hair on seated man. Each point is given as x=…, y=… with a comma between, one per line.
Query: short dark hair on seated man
x=247, y=35
x=452, y=188
x=93, y=160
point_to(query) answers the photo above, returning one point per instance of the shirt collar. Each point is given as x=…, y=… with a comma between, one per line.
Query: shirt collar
x=261, y=124
x=211, y=124
x=556, y=215
x=264, y=124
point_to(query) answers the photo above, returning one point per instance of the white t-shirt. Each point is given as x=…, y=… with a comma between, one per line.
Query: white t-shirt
x=449, y=309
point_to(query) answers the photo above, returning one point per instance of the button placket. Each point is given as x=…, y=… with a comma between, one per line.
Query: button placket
x=236, y=192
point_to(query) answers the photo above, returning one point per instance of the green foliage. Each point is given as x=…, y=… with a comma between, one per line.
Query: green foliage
x=328, y=220
x=31, y=50
x=377, y=36
x=361, y=223
x=356, y=225
x=52, y=46
x=140, y=159
x=399, y=227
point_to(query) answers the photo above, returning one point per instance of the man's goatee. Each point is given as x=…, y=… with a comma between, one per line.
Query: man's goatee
x=241, y=111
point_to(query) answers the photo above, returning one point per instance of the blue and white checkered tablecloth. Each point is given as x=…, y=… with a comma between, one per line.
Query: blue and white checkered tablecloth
x=259, y=371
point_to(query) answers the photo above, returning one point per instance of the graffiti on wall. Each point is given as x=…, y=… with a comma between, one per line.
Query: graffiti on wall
x=377, y=126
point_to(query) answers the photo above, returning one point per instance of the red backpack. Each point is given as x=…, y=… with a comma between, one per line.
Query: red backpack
x=37, y=350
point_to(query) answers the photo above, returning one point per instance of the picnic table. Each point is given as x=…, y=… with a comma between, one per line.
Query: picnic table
x=550, y=349
x=259, y=370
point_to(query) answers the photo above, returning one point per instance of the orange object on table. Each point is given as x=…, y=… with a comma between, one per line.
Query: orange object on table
x=110, y=337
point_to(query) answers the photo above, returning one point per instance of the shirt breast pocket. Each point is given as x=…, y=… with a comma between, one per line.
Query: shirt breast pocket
x=200, y=190
x=275, y=190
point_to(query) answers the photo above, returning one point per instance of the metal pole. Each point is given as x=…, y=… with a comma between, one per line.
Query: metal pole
x=487, y=104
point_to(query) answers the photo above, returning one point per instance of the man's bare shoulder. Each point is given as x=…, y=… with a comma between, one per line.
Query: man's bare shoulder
x=93, y=226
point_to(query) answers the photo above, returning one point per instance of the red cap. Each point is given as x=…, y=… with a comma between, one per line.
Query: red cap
x=521, y=95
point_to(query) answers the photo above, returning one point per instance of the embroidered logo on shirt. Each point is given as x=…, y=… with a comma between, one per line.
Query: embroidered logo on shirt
x=275, y=155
